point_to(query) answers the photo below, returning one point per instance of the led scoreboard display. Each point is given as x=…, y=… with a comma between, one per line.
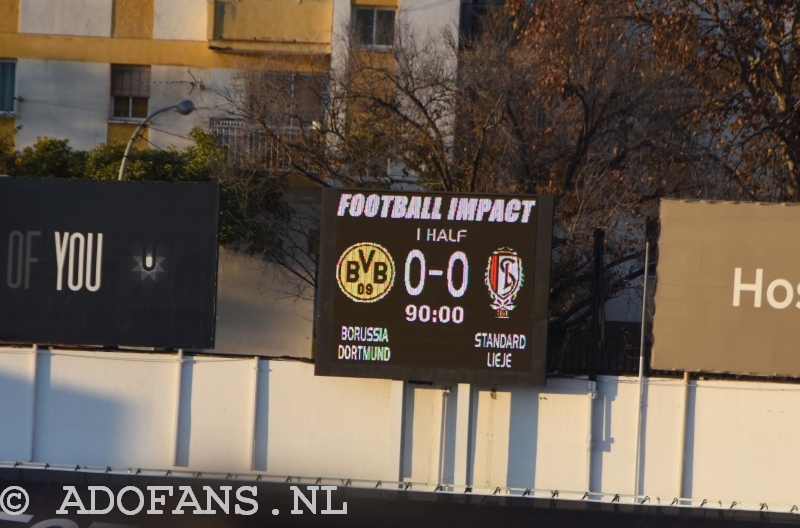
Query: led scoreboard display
x=434, y=286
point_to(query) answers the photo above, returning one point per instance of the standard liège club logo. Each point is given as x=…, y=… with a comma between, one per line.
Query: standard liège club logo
x=504, y=280
x=365, y=272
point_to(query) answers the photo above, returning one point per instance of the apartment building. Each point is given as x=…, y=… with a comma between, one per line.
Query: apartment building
x=90, y=70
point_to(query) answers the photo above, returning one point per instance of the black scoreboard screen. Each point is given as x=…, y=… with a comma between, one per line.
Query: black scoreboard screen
x=432, y=286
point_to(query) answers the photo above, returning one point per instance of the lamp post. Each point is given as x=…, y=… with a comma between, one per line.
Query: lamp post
x=185, y=107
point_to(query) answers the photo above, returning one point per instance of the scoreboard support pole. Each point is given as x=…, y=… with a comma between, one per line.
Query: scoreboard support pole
x=397, y=412
x=463, y=412
x=597, y=345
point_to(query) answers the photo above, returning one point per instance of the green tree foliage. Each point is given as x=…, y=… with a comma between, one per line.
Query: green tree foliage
x=48, y=158
x=252, y=209
x=6, y=152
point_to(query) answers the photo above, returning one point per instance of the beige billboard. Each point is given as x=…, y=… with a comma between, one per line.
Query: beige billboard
x=728, y=288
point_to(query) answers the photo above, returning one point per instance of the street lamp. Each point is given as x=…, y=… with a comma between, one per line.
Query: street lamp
x=185, y=107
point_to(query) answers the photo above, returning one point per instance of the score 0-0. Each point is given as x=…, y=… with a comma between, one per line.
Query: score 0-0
x=444, y=314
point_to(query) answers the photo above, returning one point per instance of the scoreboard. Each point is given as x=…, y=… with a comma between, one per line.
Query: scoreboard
x=431, y=286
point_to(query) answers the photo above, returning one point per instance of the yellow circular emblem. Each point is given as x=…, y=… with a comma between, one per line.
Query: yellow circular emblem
x=365, y=272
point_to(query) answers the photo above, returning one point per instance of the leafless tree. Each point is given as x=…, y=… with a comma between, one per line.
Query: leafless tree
x=742, y=59
x=564, y=98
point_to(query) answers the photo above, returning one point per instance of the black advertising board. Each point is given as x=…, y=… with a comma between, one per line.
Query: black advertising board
x=108, y=263
x=434, y=286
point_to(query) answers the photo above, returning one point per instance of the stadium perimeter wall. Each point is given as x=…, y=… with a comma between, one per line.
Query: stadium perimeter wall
x=144, y=410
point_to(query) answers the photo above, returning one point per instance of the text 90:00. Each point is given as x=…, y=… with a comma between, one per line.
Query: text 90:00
x=445, y=314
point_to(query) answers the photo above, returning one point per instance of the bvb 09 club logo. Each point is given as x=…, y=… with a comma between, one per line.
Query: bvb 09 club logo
x=504, y=280
x=365, y=272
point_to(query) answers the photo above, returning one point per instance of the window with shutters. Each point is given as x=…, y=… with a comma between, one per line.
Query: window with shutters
x=130, y=91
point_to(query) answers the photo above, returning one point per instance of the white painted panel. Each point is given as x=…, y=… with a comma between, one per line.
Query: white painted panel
x=66, y=17
x=425, y=416
x=105, y=409
x=16, y=410
x=491, y=439
x=661, y=424
x=180, y=19
x=523, y=436
x=449, y=421
x=63, y=100
x=742, y=442
x=561, y=439
x=461, y=432
x=220, y=422
x=251, y=321
x=431, y=435
x=118, y=409
x=325, y=426
x=614, y=434
x=394, y=447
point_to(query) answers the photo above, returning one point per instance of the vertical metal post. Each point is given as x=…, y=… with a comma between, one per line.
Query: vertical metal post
x=254, y=431
x=684, y=418
x=592, y=394
x=179, y=385
x=313, y=250
x=597, y=302
x=35, y=352
x=644, y=309
x=637, y=465
x=397, y=411
x=315, y=315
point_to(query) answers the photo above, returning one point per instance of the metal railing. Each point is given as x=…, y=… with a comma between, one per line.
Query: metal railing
x=243, y=142
x=618, y=355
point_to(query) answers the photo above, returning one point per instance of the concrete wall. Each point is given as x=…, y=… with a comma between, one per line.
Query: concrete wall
x=133, y=19
x=430, y=15
x=81, y=113
x=180, y=19
x=9, y=16
x=78, y=113
x=171, y=84
x=119, y=409
x=249, y=317
x=66, y=17
x=274, y=20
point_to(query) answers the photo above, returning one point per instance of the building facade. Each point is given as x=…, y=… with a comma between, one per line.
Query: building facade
x=90, y=70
